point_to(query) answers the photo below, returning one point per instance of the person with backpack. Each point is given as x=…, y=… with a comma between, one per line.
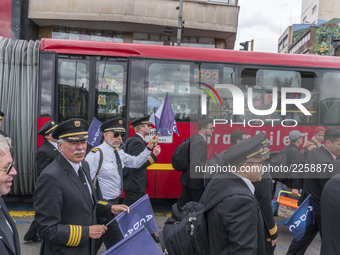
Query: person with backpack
x=314, y=142
x=235, y=225
x=106, y=163
x=194, y=187
x=322, y=156
x=291, y=182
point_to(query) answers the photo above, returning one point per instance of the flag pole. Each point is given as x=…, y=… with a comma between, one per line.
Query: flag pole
x=110, y=221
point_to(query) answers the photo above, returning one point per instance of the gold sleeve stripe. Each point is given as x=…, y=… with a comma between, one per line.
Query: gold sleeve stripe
x=151, y=160
x=273, y=230
x=75, y=235
x=102, y=202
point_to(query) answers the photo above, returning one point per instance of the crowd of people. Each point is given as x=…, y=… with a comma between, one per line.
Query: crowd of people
x=77, y=194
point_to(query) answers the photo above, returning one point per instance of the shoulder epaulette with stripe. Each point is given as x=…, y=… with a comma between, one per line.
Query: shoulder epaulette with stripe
x=75, y=235
x=94, y=149
x=102, y=202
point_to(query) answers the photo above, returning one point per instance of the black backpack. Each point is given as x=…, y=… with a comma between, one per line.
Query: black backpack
x=181, y=157
x=277, y=161
x=186, y=232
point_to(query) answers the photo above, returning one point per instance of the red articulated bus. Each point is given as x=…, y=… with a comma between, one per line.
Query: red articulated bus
x=88, y=79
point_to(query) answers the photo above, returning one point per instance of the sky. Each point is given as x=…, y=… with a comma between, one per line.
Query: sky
x=265, y=21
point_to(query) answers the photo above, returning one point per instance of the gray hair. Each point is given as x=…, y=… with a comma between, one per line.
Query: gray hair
x=5, y=145
x=61, y=141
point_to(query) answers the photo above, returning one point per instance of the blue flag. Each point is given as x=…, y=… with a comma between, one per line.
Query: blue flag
x=140, y=242
x=155, y=120
x=95, y=135
x=166, y=117
x=140, y=216
x=300, y=219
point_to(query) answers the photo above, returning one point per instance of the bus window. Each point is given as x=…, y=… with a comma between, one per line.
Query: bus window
x=262, y=81
x=330, y=99
x=110, y=90
x=73, y=89
x=174, y=79
x=215, y=76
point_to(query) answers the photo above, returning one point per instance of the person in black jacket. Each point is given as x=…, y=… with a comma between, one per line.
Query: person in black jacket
x=135, y=179
x=293, y=158
x=9, y=241
x=64, y=201
x=2, y=133
x=235, y=225
x=330, y=209
x=263, y=193
x=194, y=187
x=47, y=152
x=323, y=156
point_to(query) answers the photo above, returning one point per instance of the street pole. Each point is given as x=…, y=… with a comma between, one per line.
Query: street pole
x=180, y=23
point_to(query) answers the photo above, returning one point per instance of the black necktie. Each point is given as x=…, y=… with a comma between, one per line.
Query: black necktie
x=83, y=180
x=7, y=231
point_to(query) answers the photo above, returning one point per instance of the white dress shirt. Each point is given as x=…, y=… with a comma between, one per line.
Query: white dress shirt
x=108, y=176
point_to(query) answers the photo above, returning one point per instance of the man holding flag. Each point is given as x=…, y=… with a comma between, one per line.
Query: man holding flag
x=107, y=161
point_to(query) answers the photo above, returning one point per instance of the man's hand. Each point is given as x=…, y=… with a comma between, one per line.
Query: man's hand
x=274, y=242
x=117, y=209
x=153, y=141
x=157, y=150
x=96, y=231
x=295, y=192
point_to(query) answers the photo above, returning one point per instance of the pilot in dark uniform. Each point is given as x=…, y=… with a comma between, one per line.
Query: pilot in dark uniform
x=49, y=149
x=47, y=152
x=135, y=179
x=64, y=201
x=235, y=225
x=2, y=133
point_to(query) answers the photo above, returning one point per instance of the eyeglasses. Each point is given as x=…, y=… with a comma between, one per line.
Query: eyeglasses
x=119, y=134
x=9, y=168
x=210, y=128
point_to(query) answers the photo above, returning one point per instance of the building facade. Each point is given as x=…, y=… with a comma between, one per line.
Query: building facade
x=207, y=23
x=314, y=10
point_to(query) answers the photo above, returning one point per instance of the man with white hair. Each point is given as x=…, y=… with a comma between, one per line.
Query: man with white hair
x=9, y=239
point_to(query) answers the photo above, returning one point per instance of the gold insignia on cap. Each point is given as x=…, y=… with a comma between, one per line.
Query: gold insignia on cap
x=120, y=122
x=77, y=123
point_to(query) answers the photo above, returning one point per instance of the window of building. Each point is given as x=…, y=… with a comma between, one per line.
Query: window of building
x=314, y=9
x=304, y=20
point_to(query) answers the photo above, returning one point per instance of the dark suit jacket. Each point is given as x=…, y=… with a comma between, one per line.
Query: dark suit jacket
x=316, y=183
x=64, y=211
x=236, y=222
x=198, y=157
x=330, y=209
x=263, y=193
x=45, y=155
x=5, y=248
x=136, y=179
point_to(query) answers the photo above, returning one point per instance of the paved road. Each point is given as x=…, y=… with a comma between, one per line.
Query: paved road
x=22, y=211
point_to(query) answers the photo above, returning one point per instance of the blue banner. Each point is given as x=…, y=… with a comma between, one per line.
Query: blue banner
x=300, y=219
x=95, y=135
x=155, y=120
x=140, y=242
x=140, y=216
